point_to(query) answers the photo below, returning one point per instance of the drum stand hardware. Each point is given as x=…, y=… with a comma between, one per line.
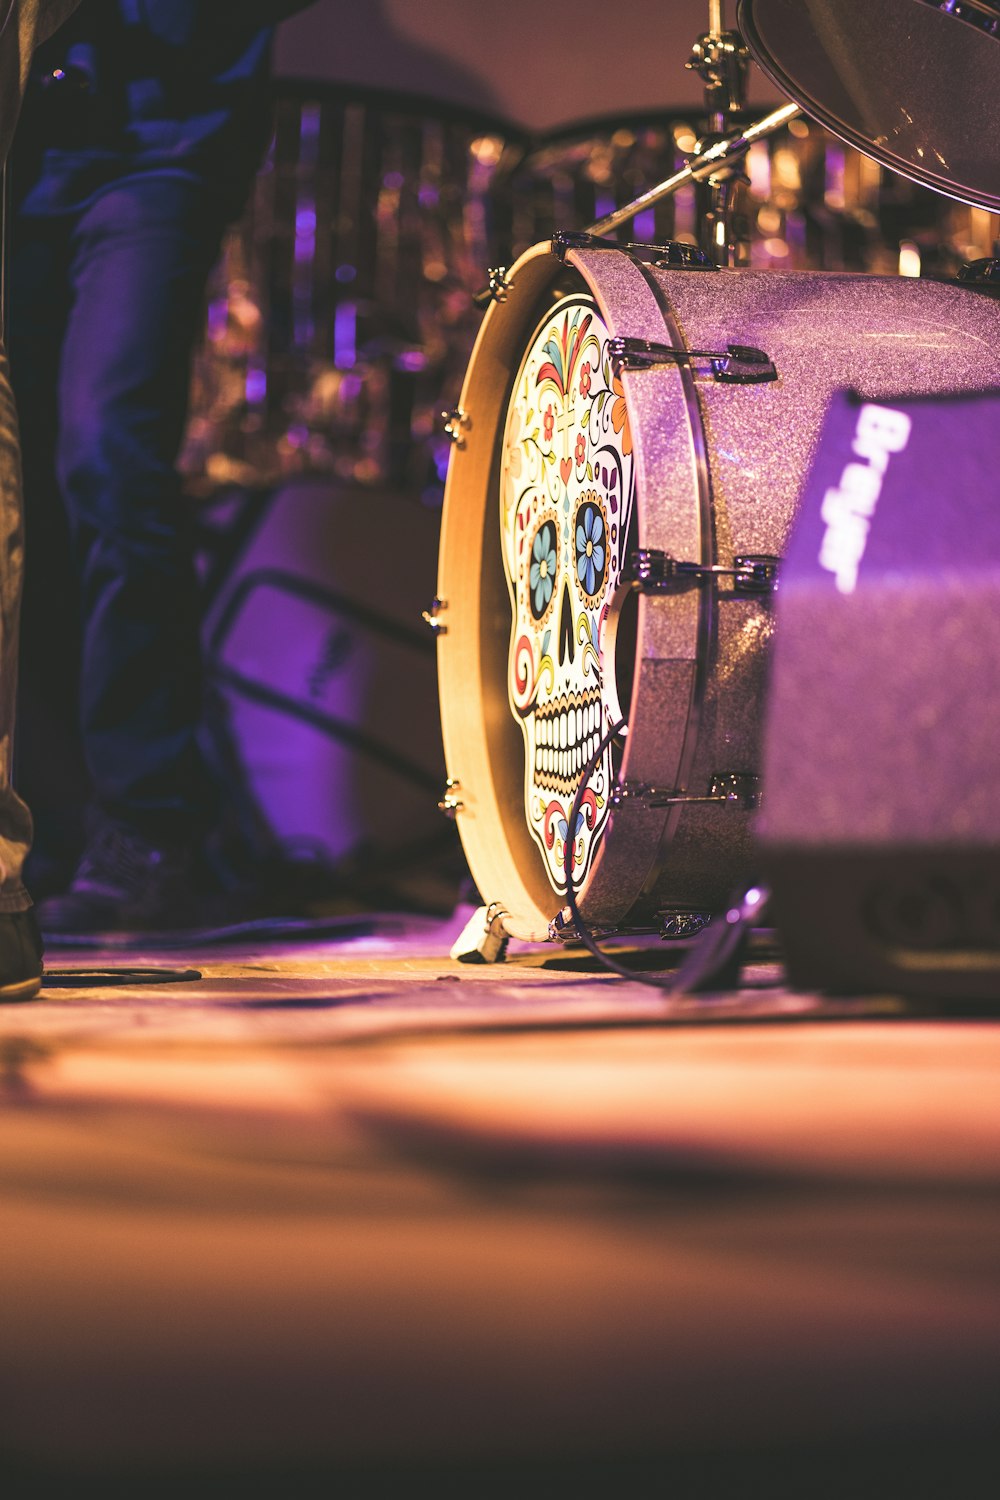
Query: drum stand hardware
x=451, y=803
x=671, y=255
x=740, y=364
x=669, y=926
x=721, y=58
x=432, y=616
x=652, y=572
x=484, y=938
x=456, y=423
x=737, y=789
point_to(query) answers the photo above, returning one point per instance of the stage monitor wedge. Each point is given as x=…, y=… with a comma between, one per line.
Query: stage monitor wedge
x=880, y=827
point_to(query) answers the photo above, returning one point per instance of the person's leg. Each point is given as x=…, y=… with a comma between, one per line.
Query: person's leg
x=141, y=256
x=20, y=954
x=49, y=770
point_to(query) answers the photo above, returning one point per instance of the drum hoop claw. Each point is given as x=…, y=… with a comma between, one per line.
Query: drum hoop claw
x=650, y=571
x=740, y=364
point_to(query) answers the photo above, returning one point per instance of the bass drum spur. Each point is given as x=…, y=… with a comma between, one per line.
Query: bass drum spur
x=628, y=454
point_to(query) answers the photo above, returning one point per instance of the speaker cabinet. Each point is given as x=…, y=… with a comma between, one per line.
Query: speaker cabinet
x=880, y=827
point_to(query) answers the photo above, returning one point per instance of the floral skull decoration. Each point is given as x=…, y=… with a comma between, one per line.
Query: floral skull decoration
x=566, y=496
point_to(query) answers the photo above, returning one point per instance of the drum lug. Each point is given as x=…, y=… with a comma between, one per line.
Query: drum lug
x=456, y=424
x=738, y=789
x=496, y=288
x=740, y=364
x=451, y=804
x=432, y=616
x=671, y=255
x=653, y=572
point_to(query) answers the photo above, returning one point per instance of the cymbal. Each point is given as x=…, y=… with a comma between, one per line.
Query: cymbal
x=912, y=83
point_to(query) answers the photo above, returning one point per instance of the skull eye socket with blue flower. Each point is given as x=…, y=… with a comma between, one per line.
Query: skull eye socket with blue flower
x=542, y=573
x=591, y=530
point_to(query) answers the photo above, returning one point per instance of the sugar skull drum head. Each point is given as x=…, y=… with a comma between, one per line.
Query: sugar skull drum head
x=566, y=497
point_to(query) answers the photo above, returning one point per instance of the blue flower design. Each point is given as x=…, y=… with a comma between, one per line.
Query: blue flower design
x=591, y=553
x=542, y=574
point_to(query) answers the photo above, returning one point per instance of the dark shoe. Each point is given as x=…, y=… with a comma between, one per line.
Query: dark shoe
x=125, y=883
x=20, y=956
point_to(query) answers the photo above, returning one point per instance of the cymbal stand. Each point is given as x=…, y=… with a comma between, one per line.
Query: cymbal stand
x=721, y=59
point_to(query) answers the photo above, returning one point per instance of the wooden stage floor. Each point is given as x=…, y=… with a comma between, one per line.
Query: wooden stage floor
x=341, y=1212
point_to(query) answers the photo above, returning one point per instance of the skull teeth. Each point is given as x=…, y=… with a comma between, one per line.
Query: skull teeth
x=567, y=734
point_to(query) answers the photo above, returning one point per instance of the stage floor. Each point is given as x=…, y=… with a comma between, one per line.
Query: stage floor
x=346, y=1210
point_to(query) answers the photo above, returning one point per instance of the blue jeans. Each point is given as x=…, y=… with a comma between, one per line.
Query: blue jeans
x=107, y=305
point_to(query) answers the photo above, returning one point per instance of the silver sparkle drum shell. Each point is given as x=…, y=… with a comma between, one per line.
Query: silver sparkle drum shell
x=718, y=472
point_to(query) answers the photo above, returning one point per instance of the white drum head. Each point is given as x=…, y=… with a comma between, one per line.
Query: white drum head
x=542, y=650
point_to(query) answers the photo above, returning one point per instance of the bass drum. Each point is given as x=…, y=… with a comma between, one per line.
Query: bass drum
x=569, y=462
